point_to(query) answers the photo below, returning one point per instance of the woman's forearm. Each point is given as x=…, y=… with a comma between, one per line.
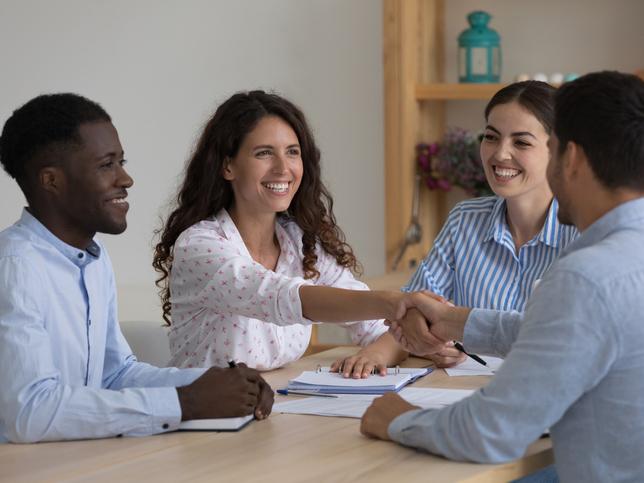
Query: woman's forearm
x=391, y=352
x=330, y=304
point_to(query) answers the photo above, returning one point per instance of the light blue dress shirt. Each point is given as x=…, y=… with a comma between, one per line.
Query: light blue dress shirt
x=66, y=371
x=474, y=261
x=575, y=364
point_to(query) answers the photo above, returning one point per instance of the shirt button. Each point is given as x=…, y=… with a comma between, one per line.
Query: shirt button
x=165, y=426
x=80, y=255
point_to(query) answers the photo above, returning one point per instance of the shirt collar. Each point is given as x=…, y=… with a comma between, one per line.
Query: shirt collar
x=499, y=231
x=75, y=255
x=626, y=215
x=497, y=227
x=287, y=248
x=550, y=231
x=229, y=228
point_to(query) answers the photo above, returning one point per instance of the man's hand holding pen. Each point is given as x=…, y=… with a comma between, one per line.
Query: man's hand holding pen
x=226, y=392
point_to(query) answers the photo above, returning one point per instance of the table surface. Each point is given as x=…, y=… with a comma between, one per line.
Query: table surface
x=285, y=447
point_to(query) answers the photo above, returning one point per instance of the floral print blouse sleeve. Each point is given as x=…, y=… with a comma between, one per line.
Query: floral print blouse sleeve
x=211, y=270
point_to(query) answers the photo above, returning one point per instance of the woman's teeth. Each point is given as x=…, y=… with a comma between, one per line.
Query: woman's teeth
x=277, y=187
x=506, y=173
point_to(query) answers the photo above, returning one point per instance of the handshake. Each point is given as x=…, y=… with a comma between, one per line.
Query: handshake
x=426, y=325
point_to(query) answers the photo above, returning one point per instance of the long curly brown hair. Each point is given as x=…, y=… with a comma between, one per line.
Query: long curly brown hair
x=205, y=192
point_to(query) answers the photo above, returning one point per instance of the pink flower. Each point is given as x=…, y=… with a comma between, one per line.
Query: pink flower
x=431, y=183
x=424, y=162
x=433, y=149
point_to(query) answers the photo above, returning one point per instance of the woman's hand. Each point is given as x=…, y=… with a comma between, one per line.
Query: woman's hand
x=361, y=364
x=449, y=356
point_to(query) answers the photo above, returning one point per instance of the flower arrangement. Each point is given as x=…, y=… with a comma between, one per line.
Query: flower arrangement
x=455, y=161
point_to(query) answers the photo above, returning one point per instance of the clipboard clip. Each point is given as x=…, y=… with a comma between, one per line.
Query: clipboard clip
x=396, y=370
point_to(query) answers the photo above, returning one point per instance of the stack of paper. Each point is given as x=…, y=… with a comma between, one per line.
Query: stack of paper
x=327, y=382
x=355, y=405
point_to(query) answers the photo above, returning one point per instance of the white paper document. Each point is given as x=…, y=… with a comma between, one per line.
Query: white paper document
x=354, y=405
x=333, y=383
x=470, y=367
x=219, y=424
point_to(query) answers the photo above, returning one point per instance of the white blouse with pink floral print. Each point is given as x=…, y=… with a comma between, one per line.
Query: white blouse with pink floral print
x=226, y=306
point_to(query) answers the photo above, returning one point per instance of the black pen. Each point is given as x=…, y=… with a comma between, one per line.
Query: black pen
x=460, y=347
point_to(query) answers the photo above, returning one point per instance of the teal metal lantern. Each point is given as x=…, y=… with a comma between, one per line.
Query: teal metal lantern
x=479, y=51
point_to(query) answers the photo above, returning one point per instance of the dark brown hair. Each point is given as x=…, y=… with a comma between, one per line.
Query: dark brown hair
x=205, y=192
x=535, y=96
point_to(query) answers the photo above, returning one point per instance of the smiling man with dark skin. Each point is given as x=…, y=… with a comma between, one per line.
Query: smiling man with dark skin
x=65, y=368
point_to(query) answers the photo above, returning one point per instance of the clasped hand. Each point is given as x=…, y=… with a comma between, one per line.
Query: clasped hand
x=429, y=326
x=423, y=323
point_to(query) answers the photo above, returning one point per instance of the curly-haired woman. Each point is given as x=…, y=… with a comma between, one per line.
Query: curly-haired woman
x=252, y=254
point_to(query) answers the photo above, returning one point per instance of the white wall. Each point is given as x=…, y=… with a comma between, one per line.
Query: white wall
x=161, y=67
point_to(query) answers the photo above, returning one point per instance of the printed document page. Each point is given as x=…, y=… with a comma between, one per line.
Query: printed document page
x=354, y=405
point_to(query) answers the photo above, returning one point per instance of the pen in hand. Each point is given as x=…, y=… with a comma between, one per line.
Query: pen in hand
x=460, y=347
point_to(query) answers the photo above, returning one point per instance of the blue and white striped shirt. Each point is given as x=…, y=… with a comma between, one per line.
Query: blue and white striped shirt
x=474, y=261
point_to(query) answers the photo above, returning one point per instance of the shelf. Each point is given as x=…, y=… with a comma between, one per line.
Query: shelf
x=456, y=91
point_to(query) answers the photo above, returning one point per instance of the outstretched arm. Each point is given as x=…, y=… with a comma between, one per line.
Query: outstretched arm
x=331, y=304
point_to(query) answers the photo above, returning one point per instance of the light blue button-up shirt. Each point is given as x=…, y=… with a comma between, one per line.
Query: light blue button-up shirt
x=474, y=261
x=66, y=371
x=575, y=364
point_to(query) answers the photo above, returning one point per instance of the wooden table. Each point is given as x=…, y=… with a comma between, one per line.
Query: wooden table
x=283, y=448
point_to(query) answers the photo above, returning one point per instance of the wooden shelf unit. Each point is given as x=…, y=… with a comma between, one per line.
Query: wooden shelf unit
x=415, y=100
x=412, y=57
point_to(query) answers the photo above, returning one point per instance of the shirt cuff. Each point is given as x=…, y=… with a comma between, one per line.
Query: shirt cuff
x=165, y=410
x=293, y=313
x=397, y=427
x=480, y=330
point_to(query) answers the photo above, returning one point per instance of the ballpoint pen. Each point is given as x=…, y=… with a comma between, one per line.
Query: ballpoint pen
x=460, y=347
x=286, y=392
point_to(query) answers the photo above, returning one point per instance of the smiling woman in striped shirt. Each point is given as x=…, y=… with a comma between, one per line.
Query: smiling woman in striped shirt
x=492, y=250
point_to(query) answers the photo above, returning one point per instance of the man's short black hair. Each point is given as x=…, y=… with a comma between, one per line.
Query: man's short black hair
x=603, y=112
x=45, y=122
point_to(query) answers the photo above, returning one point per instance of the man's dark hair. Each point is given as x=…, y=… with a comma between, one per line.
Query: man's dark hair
x=603, y=112
x=46, y=122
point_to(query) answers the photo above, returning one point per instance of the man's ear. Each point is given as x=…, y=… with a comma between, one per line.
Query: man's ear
x=574, y=160
x=51, y=179
x=227, y=170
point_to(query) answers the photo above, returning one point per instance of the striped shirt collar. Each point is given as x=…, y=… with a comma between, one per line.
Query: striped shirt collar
x=499, y=231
